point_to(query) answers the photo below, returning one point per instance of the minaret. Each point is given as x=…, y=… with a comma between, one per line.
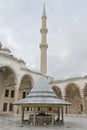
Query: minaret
x=43, y=45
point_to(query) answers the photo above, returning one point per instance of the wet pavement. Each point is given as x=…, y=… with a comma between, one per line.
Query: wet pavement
x=75, y=122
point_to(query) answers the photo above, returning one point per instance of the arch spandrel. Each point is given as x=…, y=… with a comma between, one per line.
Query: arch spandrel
x=10, y=77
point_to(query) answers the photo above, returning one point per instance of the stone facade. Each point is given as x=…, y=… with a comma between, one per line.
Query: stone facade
x=75, y=91
x=16, y=80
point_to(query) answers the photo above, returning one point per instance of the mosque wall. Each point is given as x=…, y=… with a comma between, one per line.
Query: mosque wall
x=16, y=80
x=75, y=91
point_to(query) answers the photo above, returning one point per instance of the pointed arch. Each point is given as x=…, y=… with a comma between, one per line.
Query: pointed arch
x=72, y=94
x=26, y=84
x=57, y=91
x=6, y=68
x=8, y=81
x=26, y=80
x=72, y=90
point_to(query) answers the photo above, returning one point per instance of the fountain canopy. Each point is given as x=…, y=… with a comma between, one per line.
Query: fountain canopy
x=42, y=94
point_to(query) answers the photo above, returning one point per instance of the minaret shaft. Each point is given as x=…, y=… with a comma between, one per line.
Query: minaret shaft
x=43, y=45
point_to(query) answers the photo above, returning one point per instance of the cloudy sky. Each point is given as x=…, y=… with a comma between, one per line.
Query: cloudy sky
x=20, y=23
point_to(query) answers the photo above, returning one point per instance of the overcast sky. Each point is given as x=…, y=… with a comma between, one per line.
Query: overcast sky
x=20, y=23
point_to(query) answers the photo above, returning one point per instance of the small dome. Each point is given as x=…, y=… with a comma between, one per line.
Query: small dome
x=6, y=50
x=21, y=60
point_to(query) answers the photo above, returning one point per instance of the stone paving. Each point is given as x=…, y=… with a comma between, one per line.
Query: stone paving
x=76, y=122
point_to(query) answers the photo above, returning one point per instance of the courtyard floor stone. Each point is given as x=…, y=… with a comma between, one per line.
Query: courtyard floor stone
x=74, y=122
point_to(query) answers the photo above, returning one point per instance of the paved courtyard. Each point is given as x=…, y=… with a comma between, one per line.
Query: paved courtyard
x=71, y=123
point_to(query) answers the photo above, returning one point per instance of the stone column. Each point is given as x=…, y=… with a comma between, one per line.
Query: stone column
x=65, y=107
x=22, y=117
x=64, y=98
x=1, y=82
x=34, y=113
x=15, y=107
x=83, y=103
x=1, y=91
x=58, y=115
x=52, y=117
x=62, y=114
x=83, y=99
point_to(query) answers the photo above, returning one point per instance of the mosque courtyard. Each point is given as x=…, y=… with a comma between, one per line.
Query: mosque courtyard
x=75, y=122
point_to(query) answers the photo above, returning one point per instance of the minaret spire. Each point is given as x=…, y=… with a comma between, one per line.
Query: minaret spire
x=44, y=12
x=43, y=45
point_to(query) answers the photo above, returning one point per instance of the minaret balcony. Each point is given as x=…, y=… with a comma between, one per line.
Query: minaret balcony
x=43, y=45
x=43, y=30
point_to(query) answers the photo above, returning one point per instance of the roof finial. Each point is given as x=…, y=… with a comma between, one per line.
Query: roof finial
x=44, y=12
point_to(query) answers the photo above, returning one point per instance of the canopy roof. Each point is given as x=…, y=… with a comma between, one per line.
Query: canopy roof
x=42, y=94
